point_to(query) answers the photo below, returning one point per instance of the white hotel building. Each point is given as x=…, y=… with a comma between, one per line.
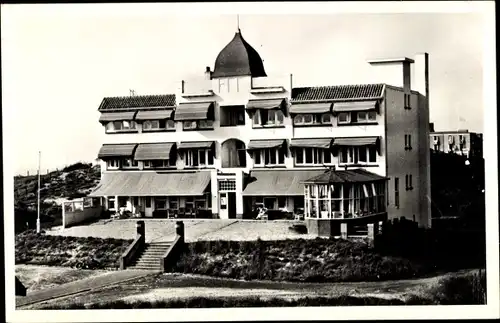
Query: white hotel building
x=217, y=152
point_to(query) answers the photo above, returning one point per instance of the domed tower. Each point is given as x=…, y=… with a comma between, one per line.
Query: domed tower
x=238, y=58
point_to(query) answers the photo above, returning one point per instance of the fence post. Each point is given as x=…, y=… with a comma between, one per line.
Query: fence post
x=343, y=230
x=371, y=233
x=63, y=215
x=179, y=230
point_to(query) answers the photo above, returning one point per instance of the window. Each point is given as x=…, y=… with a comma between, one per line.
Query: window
x=160, y=203
x=366, y=116
x=269, y=202
x=407, y=101
x=407, y=185
x=117, y=126
x=129, y=163
x=163, y=163
x=312, y=156
x=111, y=203
x=410, y=182
x=357, y=117
x=396, y=192
x=312, y=119
x=198, y=157
x=270, y=156
x=326, y=118
x=112, y=164
x=232, y=115
x=408, y=142
x=148, y=201
x=344, y=117
x=281, y=202
x=152, y=125
x=268, y=118
x=227, y=185
x=173, y=203
x=358, y=155
x=199, y=124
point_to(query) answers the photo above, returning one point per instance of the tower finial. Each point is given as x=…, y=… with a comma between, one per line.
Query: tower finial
x=238, y=22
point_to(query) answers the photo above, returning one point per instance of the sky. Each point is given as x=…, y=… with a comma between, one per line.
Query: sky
x=58, y=65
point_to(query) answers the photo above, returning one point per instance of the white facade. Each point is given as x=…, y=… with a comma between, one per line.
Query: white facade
x=397, y=128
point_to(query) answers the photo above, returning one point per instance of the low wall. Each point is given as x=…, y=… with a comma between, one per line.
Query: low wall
x=131, y=253
x=82, y=211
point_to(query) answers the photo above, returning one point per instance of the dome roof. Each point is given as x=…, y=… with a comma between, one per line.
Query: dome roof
x=238, y=58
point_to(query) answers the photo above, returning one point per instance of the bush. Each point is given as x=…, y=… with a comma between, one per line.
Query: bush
x=462, y=290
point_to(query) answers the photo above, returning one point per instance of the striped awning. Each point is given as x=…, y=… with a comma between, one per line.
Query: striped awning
x=195, y=144
x=311, y=143
x=117, y=150
x=265, y=143
x=355, y=141
x=153, y=151
x=267, y=104
x=194, y=111
x=154, y=114
x=152, y=184
x=354, y=106
x=116, y=116
x=311, y=108
x=278, y=182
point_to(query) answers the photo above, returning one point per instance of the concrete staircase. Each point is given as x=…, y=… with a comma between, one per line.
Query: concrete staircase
x=150, y=257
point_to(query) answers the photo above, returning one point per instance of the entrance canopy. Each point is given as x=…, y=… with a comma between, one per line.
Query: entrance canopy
x=152, y=184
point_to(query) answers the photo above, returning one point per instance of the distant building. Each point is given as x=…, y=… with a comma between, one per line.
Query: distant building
x=237, y=144
x=460, y=142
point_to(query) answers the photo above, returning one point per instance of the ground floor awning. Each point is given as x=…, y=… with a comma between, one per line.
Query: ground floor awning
x=153, y=151
x=310, y=108
x=116, y=150
x=152, y=184
x=194, y=111
x=311, y=143
x=116, y=116
x=345, y=176
x=265, y=143
x=278, y=182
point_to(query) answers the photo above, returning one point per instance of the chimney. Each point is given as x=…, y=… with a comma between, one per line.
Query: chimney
x=394, y=71
x=291, y=83
x=431, y=127
x=208, y=73
x=182, y=86
x=421, y=77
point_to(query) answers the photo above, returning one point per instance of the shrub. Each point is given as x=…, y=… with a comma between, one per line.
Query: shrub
x=462, y=290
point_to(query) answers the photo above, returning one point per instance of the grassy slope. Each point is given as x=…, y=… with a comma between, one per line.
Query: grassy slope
x=318, y=260
x=86, y=253
x=71, y=182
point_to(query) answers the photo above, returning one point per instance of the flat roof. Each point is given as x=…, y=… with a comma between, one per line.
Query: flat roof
x=390, y=60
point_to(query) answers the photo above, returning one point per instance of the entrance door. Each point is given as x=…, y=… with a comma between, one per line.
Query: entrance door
x=148, y=208
x=231, y=201
x=223, y=205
